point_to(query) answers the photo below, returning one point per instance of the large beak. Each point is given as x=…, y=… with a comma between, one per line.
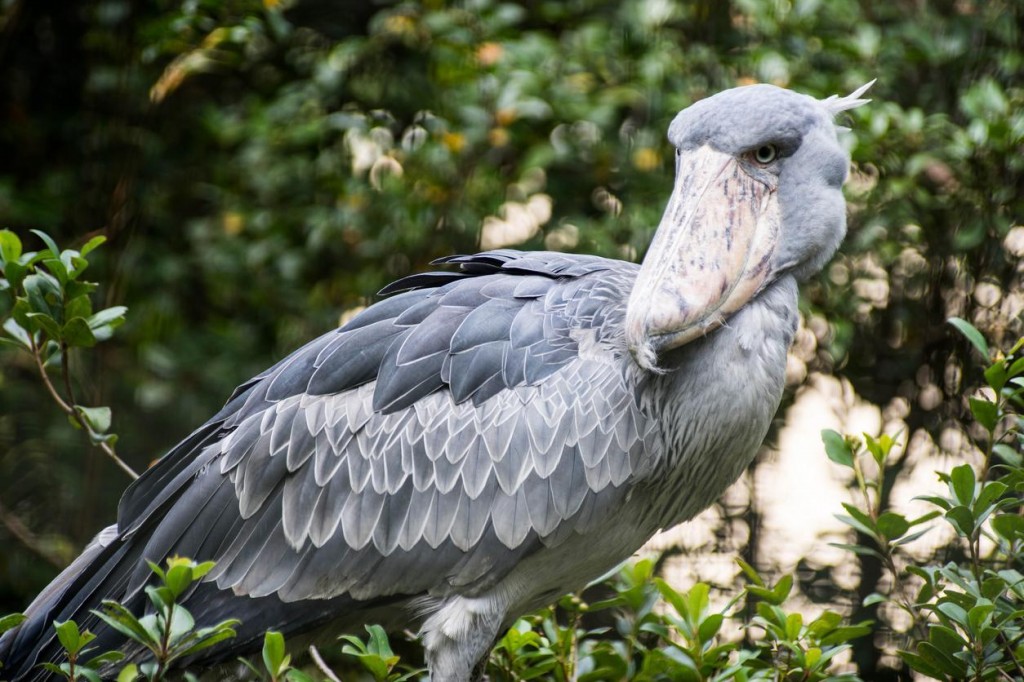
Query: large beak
x=711, y=254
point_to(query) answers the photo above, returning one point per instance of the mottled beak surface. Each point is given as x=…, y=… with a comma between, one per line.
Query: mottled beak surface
x=711, y=254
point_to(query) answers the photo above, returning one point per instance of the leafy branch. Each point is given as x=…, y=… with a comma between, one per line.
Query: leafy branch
x=968, y=615
x=169, y=633
x=48, y=312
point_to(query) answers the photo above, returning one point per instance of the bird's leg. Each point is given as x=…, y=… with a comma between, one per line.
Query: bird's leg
x=458, y=638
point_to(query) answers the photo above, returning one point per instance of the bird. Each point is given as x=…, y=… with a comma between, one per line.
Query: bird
x=496, y=433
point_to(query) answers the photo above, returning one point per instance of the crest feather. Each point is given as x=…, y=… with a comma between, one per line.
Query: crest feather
x=836, y=104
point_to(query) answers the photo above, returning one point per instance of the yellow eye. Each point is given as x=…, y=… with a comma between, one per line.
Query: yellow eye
x=765, y=154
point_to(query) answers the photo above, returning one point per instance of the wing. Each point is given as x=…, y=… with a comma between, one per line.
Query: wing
x=452, y=428
x=424, y=448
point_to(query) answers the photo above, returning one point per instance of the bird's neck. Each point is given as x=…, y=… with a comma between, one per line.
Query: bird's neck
x=717, y=400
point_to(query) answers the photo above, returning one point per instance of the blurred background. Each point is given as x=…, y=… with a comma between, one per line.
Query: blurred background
x=262, y=167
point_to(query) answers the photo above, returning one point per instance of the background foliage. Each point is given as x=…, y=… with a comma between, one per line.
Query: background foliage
x=260, y=168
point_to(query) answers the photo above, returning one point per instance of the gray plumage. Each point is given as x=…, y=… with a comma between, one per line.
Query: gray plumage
x=494, y=435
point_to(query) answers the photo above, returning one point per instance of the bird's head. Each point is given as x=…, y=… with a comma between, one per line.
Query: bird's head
x=758, y=195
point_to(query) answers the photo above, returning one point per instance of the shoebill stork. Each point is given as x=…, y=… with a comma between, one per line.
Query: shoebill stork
x=492, y=436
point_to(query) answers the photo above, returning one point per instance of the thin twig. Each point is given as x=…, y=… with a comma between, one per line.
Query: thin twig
x=65, y=370
x=70, y=409
x=1010, y=649
x=49, y=384
x=321, y=665
x=26, y=537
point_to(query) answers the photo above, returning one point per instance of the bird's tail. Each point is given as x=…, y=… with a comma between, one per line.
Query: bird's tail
x=34, y=641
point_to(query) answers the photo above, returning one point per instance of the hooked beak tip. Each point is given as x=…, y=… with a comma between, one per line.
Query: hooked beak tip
x=645, y=356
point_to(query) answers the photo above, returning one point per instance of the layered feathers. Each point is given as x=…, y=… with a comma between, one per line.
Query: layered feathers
x=425, y=448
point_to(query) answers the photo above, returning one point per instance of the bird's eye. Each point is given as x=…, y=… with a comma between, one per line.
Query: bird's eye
x=766, y=153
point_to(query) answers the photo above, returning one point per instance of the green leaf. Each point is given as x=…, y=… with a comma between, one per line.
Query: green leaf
x=18, y=333
x=858, y=525
x=943, y=662
x=64, y=670
x=1009, y=526
x=152, y=625
x=155, y=568
x=985, y=411
x=907, y=539
x=837, y=448
x=936, y=500
x=980, y=615
x=962, y=519
x=972, y=335
x=377, y=666
x=921, y=665
x=1017, y=367
x=954, y=612
x=993, y=587
x=92, y=244
x=783, y=588
x=77, y=306
x=879, y=448
x=121, y=619
x=996, y=375
x=794, y=623
x=44, y=295
x=106, y=321
x=946, y=638
x=378, y=643
x=354, y=646
x=775, y=595
x=75, y=290
x=709, y=627
x=988, y=498
x=57, y=269
x=892, y=525
x=10, y=246
x=76, y=332
x=89, y=674
x=924, y=518
x=161, y=596
x=50, y=244
x=858, y=549
x=178, y=578
x=749, y=571
x=182, y=623
x=962, y=482
x=104, y=658
x=11, y=621
x=873, y=598
x=15, y=274
x=108, y=316
x=129, y=673
x=69, y=636
x=846, y=633
x=73, y=264
x=98, y=418
x=273, y=651
x=46, y=323
x=697, y=601
x=210, y=637
x=669, y=594
x=1008, y=454
x=200, y=570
